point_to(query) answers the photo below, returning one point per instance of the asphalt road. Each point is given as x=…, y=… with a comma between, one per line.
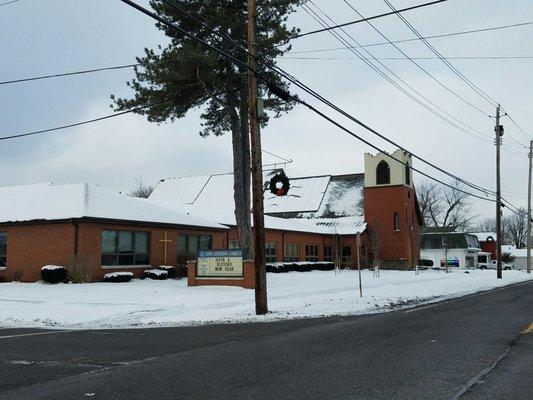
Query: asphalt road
x=468, y=348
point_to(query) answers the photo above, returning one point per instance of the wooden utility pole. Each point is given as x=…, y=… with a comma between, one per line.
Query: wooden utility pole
x=261, y=306
x=499, y=132
x=529, y=210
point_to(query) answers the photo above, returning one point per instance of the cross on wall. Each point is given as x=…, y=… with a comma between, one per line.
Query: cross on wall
x=165, y=242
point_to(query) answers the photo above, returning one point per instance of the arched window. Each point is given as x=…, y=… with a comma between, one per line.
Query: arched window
x=407, y=175
x=396, y=222
x=383, y=173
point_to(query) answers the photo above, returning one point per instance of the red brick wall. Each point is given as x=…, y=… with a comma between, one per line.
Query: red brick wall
x=380, y=205
x=304, y=238
x=30, y=247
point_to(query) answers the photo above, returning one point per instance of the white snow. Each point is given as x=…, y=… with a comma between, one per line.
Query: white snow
x=51, y=267
x=157, y=272
x=144, y=303
x=57, y=202
x=117, y=274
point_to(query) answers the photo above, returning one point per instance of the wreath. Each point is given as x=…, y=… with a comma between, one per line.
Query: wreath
x=279, y=184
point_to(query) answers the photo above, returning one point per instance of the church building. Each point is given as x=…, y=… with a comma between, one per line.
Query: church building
x=318, y=220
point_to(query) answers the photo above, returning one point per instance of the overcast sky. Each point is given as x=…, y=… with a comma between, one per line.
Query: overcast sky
x=42, y=37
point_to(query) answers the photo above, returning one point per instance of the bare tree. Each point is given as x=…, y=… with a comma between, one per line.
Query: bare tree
x=517, y=228
x=141, y=190
x=444, y=207
x=486, y=225
x=375, y=248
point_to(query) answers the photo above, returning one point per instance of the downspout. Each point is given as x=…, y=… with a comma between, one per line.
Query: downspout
x=76, y=234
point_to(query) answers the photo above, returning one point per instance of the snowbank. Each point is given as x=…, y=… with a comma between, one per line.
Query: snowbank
x=292, y=295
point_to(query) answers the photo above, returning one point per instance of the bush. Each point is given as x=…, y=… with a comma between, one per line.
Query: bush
x=118, y=277
x=53, y=274
x=280, y=267
x=172, y=273
x=425, y=263
x=181, y=271
x=16, y=276
x=157, y=274
x=79, y=269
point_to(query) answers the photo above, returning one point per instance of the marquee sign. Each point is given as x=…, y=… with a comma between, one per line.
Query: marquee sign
x=220, y=264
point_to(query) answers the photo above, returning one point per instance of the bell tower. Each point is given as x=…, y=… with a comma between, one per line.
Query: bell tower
x=391, y=209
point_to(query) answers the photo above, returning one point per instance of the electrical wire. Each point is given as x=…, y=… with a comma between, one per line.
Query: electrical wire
x=89, y=121
x=368, y=19
x=474, y=58
x=8, y=2
x=87, y=71
x=442, y=35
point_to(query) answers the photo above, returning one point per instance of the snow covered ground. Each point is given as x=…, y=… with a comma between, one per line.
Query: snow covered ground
x=142, y=303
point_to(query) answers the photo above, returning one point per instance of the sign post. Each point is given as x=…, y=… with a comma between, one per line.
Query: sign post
x=359, y=265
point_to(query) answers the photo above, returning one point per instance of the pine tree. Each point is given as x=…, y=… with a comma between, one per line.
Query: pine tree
x=195, y=77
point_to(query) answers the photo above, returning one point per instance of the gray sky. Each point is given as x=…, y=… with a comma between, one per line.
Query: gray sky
x=40, y=37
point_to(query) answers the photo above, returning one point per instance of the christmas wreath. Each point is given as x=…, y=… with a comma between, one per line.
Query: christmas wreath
x=279, y=184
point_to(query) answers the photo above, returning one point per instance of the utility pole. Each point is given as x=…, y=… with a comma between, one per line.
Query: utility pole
x=261, y=306
x=529, y=210
x=498, y=129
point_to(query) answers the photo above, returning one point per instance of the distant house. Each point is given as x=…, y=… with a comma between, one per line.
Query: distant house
x=460, y=248
x=487, y=241
x=519, y=255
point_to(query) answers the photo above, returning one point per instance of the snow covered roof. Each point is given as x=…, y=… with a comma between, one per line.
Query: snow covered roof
x=57, y=202
x=514, y=251
x=484, y=236
x=321, y=204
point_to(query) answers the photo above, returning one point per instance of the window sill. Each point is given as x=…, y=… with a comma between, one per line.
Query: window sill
x=112, y=267
x=3, y=268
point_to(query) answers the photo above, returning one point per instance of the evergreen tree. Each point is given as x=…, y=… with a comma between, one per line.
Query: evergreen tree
x=195, y=77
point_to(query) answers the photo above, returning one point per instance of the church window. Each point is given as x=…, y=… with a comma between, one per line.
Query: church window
x=328, y=253
x=311, y=253
x=3, y=249
x=233, y=244
x=270, y=252
x=125, y=248
x=290, y=252
x=407, y=175
x=396, y=222
x=383, y=173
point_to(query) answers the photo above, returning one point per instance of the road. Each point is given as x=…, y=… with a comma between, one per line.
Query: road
x=468, y=348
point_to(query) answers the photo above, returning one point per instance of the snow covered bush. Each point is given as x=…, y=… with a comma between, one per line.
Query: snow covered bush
x=157, y=274
x=53, y=274
x=300, y=266
x=172, y=273
x=118, y=277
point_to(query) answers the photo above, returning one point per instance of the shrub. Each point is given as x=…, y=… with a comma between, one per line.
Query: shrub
x=118, y=277
x=79, y=269
x=181, y=271
x=172, y=272
x=53, y=274
x=157, y=274
x=425, y=263
x=16, y=276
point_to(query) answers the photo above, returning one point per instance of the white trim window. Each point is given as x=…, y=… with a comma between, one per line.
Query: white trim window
x=125, y=248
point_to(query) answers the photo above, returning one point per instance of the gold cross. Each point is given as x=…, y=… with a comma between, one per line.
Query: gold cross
x=165, y=241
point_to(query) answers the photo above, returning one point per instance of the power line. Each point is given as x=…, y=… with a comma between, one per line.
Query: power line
x=89, y=121
x=87, y=71
x=414, y=58
x=474, y=133
x=8, y=2
x=442, y=35
x=461, y=76
x=368, y=19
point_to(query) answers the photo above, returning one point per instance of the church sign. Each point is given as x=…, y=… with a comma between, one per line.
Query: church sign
x=220, y=264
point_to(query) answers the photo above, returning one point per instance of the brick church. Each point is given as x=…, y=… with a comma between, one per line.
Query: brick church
x=318, y=220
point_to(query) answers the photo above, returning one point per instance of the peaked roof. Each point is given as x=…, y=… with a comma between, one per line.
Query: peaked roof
x=321, y=204
x=57, y=202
